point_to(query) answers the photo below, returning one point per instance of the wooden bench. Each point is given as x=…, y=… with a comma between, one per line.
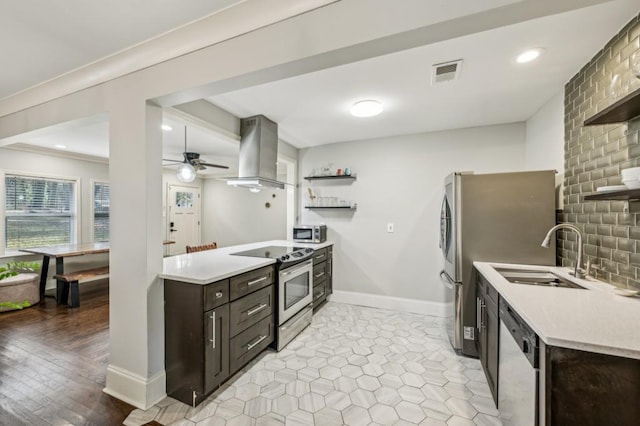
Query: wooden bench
x=71, y=280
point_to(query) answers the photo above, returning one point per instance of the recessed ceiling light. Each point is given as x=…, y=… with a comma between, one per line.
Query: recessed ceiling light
x=367, y=108
x=60, y=146
x=529, y=55
x=167, y=128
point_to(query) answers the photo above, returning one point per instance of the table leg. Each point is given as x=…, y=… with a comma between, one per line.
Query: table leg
x=60, y=271
x=44, y=271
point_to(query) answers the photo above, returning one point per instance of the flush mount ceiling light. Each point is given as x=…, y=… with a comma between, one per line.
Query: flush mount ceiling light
x=367, y=108
x=529, y=55
x=60, y=146
x=186, y=173
x=166, y=128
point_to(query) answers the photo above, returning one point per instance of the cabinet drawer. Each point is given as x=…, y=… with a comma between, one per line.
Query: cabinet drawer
x=319, y=295
x=487, y=292
x=319, y=272
x=251, y=281
x=216, y=294
x=492, y=296
x=319, y=292
x=250, y=309
x=320, y=256
x=246, y=345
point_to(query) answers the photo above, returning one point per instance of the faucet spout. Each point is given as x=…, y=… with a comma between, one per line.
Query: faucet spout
x=578, y=273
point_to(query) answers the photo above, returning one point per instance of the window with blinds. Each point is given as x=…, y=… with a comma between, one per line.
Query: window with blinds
x=38, y=212
x=101, y=195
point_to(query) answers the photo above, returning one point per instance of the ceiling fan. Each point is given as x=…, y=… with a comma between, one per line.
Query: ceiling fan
x=191, y=163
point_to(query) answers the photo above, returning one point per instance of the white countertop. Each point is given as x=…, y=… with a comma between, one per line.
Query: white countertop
x=595, y=320
x=205, y=267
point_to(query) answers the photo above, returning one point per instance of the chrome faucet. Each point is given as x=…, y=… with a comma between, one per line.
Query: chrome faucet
x=579, y=272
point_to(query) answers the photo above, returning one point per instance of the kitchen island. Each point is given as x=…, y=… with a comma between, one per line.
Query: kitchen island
x=586, y=353
x=212, y=265
x=222, y=309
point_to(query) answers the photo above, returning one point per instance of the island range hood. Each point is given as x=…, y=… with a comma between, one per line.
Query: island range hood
x=258, y=154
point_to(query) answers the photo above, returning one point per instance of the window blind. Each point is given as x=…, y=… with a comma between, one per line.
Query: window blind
x=38, y=211
x=101, y=196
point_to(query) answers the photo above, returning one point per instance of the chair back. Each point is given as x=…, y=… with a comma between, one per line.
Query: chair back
x=203, y=247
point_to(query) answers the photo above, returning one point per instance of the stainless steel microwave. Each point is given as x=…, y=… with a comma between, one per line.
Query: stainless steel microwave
x=310, y=233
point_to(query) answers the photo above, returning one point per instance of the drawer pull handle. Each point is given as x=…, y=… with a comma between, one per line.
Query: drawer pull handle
x=213, y=328
x=319, y=275
x=320, y=295
x=256, y=310
x=256, y=343
x=218, y=294
x=250, y=283
x=320, y=256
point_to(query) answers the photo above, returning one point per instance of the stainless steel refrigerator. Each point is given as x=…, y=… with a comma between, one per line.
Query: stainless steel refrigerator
x=498, y=217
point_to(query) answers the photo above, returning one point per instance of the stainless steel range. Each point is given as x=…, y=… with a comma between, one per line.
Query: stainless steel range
x=294, y=288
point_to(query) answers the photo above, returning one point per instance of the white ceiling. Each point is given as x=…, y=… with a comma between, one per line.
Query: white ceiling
x=312, y=109
x=43, y=39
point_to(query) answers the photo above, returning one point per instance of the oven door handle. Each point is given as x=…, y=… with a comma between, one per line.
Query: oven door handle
x=303, y=266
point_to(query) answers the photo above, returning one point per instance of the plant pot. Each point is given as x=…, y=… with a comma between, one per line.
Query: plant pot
x=20, y=291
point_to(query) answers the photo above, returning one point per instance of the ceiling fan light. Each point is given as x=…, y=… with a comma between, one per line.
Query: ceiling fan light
x=186, y=173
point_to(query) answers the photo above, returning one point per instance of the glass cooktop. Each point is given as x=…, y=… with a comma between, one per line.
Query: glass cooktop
x=277, y=252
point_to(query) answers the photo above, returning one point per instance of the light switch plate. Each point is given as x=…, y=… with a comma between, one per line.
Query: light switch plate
x=390, y=227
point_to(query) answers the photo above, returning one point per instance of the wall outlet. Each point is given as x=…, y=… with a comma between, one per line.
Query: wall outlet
x=390, y=227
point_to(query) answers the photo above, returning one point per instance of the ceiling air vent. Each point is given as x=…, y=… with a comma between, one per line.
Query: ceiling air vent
x=447, y=71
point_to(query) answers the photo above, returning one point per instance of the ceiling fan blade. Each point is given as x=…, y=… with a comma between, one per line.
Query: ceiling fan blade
x=214, y=165
x=172, y=161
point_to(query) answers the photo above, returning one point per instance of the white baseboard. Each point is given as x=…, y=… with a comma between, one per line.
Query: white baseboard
x=135, y=390
x=437, y=309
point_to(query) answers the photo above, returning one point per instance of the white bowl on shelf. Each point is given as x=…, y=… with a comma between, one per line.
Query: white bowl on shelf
x=631, y=183
x=630, y=173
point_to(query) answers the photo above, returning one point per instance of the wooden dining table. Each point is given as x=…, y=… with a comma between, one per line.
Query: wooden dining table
x=59, y=252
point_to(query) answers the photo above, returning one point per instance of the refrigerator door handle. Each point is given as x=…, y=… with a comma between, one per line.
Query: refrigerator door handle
x=446, y=281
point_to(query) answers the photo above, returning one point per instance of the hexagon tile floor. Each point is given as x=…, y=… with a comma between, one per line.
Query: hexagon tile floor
x=353, y=366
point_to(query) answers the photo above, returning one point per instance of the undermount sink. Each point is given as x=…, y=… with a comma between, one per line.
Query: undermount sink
x=536, y=277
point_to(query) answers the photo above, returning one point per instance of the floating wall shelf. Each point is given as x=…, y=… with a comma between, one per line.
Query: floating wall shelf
x=630, y=195
x=624, y=195
x=330, y=207
x=330, y=177
x=623, y=110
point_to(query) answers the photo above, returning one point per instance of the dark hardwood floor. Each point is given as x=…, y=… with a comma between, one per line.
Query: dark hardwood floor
x=53, y=362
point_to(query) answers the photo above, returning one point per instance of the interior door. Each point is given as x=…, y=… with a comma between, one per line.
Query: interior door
x=184, y=217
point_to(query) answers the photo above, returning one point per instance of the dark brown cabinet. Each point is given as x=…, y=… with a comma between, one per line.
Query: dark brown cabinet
x=488, y=326
x=586, y=388
x=216, y=354
x=322, y=276
x=213, y=330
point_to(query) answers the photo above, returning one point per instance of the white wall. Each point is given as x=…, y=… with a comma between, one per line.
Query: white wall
x=234, y=216
x=400, y=180
x=544, y=147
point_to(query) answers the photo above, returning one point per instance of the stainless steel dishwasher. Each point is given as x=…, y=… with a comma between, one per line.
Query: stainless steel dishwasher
x=518, y=370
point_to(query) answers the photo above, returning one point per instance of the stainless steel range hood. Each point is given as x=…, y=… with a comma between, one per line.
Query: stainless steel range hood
x=258, y=154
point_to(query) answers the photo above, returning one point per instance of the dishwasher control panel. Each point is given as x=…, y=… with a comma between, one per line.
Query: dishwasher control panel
x=524, y=336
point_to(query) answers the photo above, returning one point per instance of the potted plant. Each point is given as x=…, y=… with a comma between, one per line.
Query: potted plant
x=19, y=285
